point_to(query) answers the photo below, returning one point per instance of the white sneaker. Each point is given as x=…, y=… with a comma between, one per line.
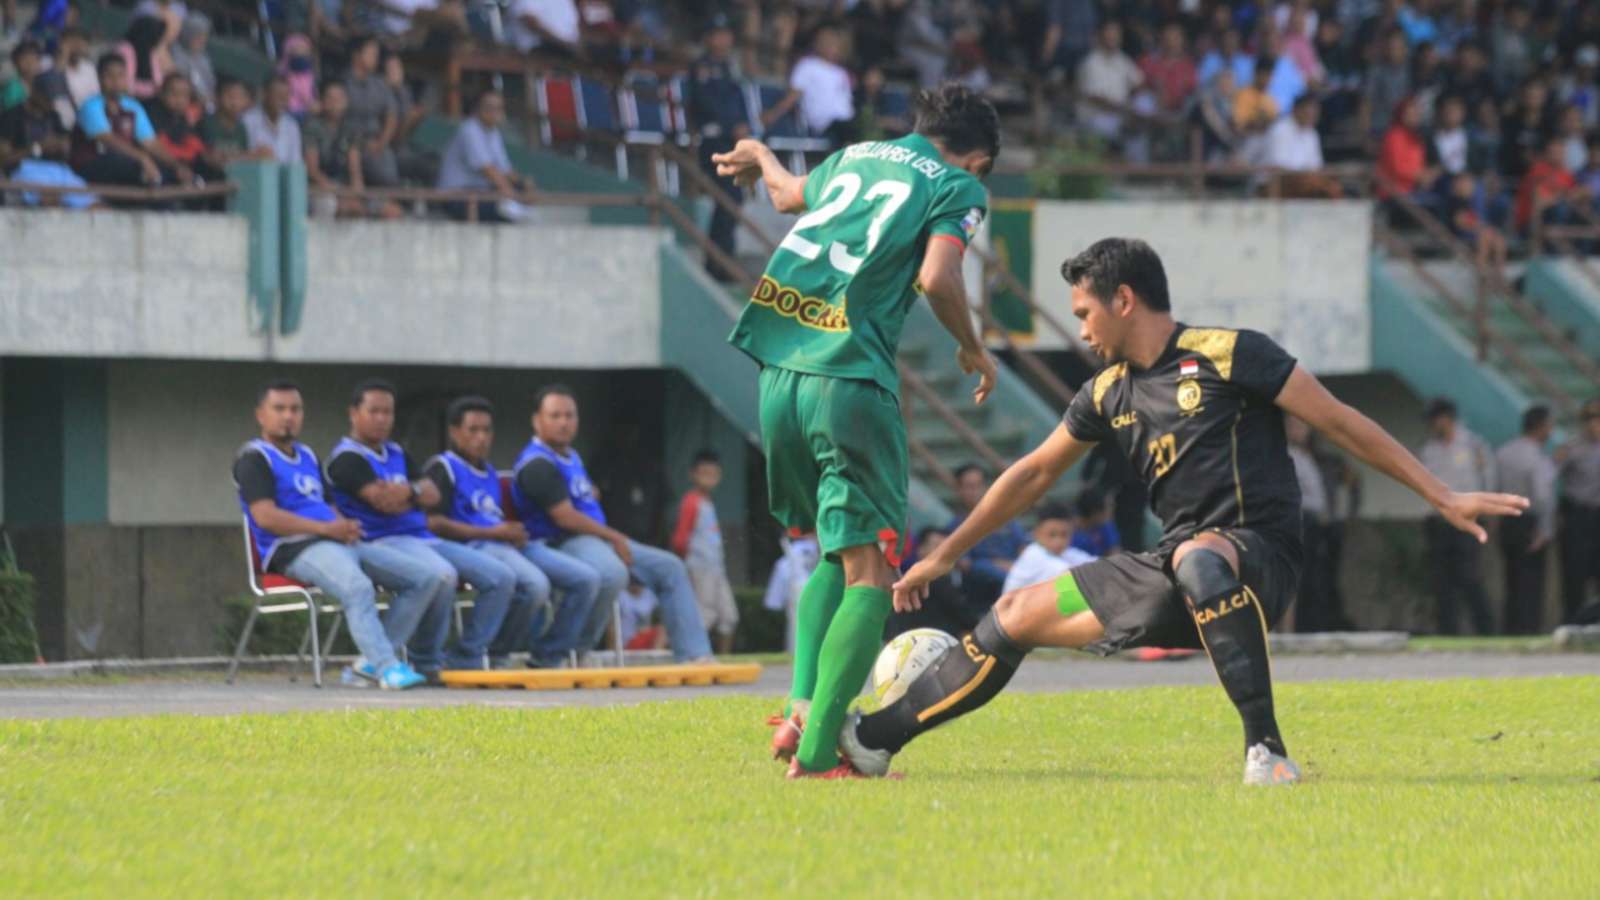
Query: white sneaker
x=865, y=760
x=1262, y=766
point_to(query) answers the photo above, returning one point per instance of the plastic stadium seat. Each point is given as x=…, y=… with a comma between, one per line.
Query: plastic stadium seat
x=558, y=111
x=597, y=111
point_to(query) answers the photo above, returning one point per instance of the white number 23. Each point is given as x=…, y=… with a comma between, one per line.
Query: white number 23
x=838, y=195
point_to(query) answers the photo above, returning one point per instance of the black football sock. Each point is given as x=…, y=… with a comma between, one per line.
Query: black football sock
x=1233, y=627
x=964, y=678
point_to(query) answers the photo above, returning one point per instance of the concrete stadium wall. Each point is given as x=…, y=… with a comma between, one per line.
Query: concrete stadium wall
x=1296, y=270
x=127, y=285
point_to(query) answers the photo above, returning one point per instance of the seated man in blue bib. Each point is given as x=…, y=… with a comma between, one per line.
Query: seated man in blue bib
x=556, y=500
x=298, y=535
x=378, y=486
x=484, y=547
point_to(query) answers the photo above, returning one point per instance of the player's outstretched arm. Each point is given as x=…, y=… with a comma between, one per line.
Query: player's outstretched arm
x=1016, y=491
x=1304, y=396
x=749, y=160
x=941, y=282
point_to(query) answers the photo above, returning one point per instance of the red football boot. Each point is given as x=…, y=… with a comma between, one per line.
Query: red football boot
x=842, y=770
x=786, y=739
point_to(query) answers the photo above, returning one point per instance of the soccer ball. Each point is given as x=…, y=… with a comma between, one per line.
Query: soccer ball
x=904, y=660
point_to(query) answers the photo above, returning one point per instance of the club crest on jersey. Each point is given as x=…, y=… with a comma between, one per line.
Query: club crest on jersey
x=308, y=485
x=812, y=312
x=1189, y=396
x=486, y=504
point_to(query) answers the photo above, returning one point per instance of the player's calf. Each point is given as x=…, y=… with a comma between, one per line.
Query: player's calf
x=1233, y=627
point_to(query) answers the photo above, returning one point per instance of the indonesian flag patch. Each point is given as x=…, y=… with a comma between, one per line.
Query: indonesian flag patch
x=1189, y=368
x=970, y=223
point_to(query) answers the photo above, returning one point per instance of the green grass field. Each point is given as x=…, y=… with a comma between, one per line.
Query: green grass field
x=1483, y=788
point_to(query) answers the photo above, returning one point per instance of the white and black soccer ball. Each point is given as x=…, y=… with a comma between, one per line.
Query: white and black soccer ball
x=904, y=660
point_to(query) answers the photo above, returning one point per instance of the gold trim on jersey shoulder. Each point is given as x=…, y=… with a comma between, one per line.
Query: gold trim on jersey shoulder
x=1215, y=344
x=1104, y=381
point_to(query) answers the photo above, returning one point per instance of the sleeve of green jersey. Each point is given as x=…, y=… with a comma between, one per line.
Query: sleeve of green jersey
x=817, y=179
x=959, y=210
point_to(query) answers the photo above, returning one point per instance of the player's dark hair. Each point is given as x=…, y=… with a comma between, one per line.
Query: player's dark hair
x=1051, y=511
x=106, y=61
x=959, y=118
x=1091, y=501
x=1439, y=406
x=367, y=386
x=1535, y=418
x=456, y=412
x=275, y=384
x=1111, y=262
x=551, y=390
x=706, y=455
x=962, y=470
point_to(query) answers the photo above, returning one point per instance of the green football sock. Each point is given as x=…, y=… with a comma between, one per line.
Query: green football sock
x=819, y=600
x=847, y=656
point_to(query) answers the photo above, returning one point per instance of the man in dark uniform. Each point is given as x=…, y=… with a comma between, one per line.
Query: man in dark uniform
x=716, y=110
x=1199, y=413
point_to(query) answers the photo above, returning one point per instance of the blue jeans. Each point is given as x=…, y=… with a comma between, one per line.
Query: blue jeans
x=579, y=584
x=531, y=611
x=336, y=569
x=658, y=570
x=424, y=587
x=495, y=587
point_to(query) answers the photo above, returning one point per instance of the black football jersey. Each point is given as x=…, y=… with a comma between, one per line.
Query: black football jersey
x=1202, y=430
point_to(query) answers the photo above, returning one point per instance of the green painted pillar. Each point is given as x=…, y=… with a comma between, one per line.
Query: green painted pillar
x=292, y=246
x=58, y=474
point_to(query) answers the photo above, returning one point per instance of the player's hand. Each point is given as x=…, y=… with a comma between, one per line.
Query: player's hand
x=345, y=531
x=742, y=163
x=513, y=533
x=1463, y=510
x=912, y=588
x=980, y=362
x=623, y=549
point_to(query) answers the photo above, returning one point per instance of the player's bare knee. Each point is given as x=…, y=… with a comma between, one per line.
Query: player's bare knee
x=866, y=566
x=1024, y=612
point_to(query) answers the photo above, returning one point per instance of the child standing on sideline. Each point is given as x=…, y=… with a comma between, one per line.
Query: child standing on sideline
x=698, y=539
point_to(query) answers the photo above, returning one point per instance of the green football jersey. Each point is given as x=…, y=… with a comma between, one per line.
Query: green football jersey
x=836, y=292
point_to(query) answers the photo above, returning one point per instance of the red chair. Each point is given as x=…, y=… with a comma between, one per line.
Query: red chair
x=267, y=586
x=560, y=117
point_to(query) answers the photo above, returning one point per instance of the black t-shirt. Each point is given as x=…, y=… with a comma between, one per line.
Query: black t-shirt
x=438, y=472
x=541, y=482
x=1201, y=429
x=21, y=127
x=253, y=474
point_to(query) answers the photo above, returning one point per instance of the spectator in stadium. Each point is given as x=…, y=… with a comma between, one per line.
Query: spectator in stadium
x=299, y=67
x=1107, y=79
x=1575, y=146
x=1548, y=190
x=1403, y=168
x=820, y=86
x=372, y=115
x=1388, y=82
x=476, y=160
x=76, y=68
x=1581, y=87
x=270, y=127
x=414, y=165
x=176, y=133
x=557, y=501
x=375, y=483
x=1450, y=142
x=947, y=606
x=1170, y=70
x=1526, y=469
x=1288, y=82
x=299, y=535
x=551, y=26
x=1459, y=458
x=1051, y=552
x=1254, y=110
x=1297, y=45
x=190, y=59
x=1469, y=76
x=1227, y=55
x=638, y=605
x=146, y=49
x=1070, y=27
x=1483, y=139
x=1511, y=42
x=1094, y=531
x=34, y=144
x=989, y=561
x=26, y=58
x=697, y=538
x=1213, y=118
x=1294, y=144
x=1464, y=211
x=120, y=145
x=333, y=155
x=923, y=43
x=716, y=110
x=513, y=595
x=1524, y=129
x=227, y=137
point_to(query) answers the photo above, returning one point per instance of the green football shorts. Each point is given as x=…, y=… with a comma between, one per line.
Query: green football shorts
x=836, y=459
